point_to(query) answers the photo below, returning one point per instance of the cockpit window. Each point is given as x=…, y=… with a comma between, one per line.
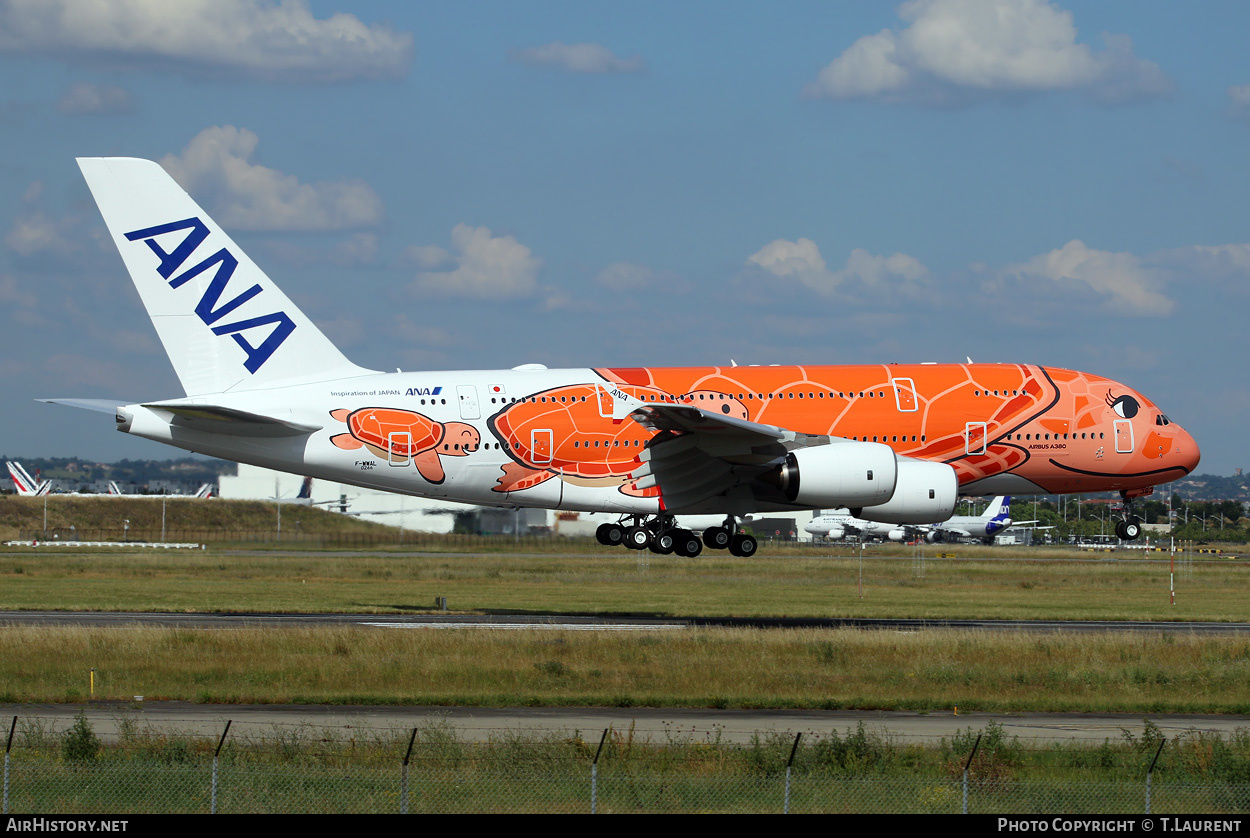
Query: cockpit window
x=1162, y=420
x=1125, y=407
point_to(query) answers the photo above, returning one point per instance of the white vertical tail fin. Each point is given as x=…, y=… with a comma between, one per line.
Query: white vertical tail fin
x=24, y=484
x=223, y=322
x=1001, y=506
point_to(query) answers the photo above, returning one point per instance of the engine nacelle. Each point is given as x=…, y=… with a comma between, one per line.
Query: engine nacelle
x=897, y=535
x=835, y=533
x=838, y=474
x=933, y=537
x=924, y=494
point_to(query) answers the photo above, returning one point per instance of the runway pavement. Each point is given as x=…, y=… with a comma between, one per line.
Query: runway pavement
x=583, y=623
x=480, y=724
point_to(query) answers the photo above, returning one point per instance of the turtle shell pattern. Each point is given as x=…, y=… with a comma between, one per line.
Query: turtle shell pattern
x=583, y=442
x=374, y=426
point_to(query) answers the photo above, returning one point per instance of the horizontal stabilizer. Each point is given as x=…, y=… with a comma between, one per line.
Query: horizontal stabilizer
x=227, y=420
x=98, y=405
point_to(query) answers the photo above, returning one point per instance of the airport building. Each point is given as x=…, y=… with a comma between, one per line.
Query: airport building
x=426, y=515
x=410, y=513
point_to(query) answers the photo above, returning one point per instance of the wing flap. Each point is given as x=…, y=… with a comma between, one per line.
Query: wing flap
x=698, y=455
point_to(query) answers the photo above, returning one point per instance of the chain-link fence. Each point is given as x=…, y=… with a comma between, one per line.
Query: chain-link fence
x=71, y=771
x=153, y=788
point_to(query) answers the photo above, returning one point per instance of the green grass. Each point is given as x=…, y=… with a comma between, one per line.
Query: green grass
x=726, y=668
x=101, y=517
x=927, y=671
x=614, y=581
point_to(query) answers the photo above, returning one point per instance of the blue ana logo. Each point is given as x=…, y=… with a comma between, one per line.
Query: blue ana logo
x=424, y=391
x=210, y=307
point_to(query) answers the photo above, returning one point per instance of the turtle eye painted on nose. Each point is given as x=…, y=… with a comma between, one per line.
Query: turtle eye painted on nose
x=1125, y=406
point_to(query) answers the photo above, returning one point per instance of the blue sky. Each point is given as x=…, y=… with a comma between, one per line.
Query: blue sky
x=445, y=186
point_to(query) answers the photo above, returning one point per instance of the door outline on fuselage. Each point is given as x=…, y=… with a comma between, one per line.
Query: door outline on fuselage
x=540, y=445
x=905, y=394
x=468, y=402
x=1123, y=436
x=605, y=399
x=970, y=429
x=394, y=441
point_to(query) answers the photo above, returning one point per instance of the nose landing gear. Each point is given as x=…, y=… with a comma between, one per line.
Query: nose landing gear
x=1130, y=527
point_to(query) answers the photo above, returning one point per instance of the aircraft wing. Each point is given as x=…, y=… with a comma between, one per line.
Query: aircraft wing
x=698, y=455
x=958, y=531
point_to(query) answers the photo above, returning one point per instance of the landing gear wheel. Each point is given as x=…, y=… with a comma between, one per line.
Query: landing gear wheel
x=663, y=543
x=716, y=538
x=688, y=544
x=1128, y=530
x=637, y=538
x=610, y=535
x=743, y=545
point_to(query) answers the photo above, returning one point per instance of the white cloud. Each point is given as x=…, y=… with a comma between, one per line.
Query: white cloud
x=801, y=260
x=1239, y=99
x=486, y=267
x=259, y=39
x=34, y=233
x=1125, y=283
x=956, y=51
x=625, y=276
x=86, y=98
x=11, y=295
x=217, y=166
x=358, y=250
x=49, y=242
x=1198, y=262
x=427, y=257
x=586, y=59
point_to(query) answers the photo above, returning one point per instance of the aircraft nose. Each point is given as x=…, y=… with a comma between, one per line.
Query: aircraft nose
x=1187, y=450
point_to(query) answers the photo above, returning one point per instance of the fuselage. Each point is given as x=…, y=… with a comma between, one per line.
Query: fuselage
x=549, y=438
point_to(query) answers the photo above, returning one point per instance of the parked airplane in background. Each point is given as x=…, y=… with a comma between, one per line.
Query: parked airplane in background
x=205, y=491
x=24, y=484
x=839, y=523
x=995, y=519
x=894, y=443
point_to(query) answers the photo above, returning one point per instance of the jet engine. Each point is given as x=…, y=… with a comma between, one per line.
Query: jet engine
x=838, y=474
x=925, y=494
x=897, y=535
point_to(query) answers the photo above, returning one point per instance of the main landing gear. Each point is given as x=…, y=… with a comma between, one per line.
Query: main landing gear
x=1130, y=527
x=660, y=534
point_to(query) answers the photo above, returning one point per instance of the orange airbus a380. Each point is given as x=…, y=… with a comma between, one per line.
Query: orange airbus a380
x=894, y=443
